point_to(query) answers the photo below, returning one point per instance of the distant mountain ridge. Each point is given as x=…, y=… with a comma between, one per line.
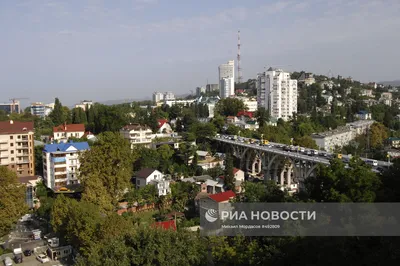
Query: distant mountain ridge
x=394, y=83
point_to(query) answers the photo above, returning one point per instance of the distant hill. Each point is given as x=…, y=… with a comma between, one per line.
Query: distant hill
x=111, y=102
x=395, y=83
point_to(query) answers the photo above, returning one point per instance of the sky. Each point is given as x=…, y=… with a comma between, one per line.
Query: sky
x=123, y=49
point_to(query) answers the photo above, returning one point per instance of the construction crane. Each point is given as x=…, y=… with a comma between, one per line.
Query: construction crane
x=15, y=101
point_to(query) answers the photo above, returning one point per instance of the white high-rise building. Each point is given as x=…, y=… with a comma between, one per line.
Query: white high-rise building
x=225, y=88
x=226, y=79
x=277, y=93
x=158, y=96
x=168, y=96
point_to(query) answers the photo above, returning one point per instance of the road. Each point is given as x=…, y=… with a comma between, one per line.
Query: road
x=274, y=148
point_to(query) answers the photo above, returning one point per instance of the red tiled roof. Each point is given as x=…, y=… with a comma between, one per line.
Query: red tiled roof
x=230, y=117
x=15, y=127
x=69, y=128
x=165, y=225
x=235, y=170
x=245, y=113
x=223, y=196
x=161, y=122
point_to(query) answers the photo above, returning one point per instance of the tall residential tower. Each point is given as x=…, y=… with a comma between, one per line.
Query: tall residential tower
x=277, y=92
x=226, y=79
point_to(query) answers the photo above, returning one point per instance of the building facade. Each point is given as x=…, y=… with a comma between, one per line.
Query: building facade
x=277, y=92
x=17, y=147
x=38, y=109
x=137, y=135
x=11, y=107
x=148, y=176
x=158, y=97
x=226, y=77
x=61, y=164
x=85, y=104
x=169, y=96
x=211, y=87
x=65, y=131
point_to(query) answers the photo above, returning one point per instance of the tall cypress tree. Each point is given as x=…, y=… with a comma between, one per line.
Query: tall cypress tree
x=57, y=115
x=229, y=176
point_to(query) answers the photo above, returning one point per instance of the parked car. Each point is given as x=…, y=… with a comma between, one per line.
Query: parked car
x=27, y=252
x=8, y=261
x=42, y=258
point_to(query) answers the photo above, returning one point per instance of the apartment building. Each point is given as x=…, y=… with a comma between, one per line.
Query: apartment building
x=61, y=164
x=65, y=131
x=226, y=74
x=306, y=78
x=386, y=98
x=137, y=134
x=158, y=97
x=277, y=92
x=17, y=147
x=341, y=136
x=85, y=104
x=13, y=107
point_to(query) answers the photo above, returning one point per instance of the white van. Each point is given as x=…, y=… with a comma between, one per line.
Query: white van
x=8, y=261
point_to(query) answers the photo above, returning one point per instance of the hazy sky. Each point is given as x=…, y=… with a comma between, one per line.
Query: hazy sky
x=117, y=49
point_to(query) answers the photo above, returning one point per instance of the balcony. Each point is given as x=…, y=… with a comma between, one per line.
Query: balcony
x=58, y=160
x=3, y=148
x=58, y=173
x=23, y=140
x=3, y=141
x=22, y=161
x=23, y=147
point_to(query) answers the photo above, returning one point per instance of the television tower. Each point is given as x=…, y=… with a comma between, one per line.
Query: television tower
x=239, y=70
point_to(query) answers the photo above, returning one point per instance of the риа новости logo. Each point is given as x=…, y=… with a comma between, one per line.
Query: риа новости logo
x=211, y=215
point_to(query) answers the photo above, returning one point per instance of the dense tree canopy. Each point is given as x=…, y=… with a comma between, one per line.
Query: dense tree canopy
x=12, y=199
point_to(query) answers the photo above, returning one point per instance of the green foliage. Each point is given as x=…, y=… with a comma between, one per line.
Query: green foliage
x=182, y=193
x=203, y=131
x=262, y=115
x=229, y=106
x=39, y=160
x=106, y=170
x=378, y=134
x=269, y=192
x=229, y=177
x=335, y=183
x=305, y=141
x=58, y=114
x=12, y=199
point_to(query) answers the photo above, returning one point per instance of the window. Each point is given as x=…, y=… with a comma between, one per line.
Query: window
x=19, y=136
x=12, y=159
x=12, y=152
x=12, y=166
x=11, y=137
x=11, y=144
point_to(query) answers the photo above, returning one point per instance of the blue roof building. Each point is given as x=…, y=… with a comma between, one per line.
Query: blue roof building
x=61, y=164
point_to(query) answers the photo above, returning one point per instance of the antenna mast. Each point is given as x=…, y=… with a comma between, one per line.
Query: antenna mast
x=239, y=69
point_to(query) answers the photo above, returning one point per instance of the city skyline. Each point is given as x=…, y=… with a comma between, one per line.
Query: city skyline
x=89, y=49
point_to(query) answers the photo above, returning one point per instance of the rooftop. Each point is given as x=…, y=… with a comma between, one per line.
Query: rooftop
x=12, y=127
x=135, y=127
x=69, y=128
x=64, y=147
x=167, y=225
x=145, y=172
x=223, y=196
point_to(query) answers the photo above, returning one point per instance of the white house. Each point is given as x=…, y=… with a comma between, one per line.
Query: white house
x=148, y=176
x=63, y=132
x=164, y=126
x=137, y=135
x=364, y=115
x=61, y=164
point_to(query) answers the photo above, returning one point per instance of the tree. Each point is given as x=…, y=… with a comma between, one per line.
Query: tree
x=106, y=170
x=230, y=106
x=378, y=134
x=12, y=199
x=165, y=153
x=203, y=131
x=58, y=114
x=149, y=158
x=335, y=183
x=262, y=116
x=39, y=160
x=306, y=142
x=229, y=178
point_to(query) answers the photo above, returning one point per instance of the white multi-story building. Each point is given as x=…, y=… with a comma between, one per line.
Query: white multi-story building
x=182, y=102
x=158, y=97
x=386, y=98
x=137, y=135
x=277, y=93
x=341, y=136
x=225, y=88
x=61, y=164
x=169, y=96
x=250, y=103
x=226, y=77
x=84, y=104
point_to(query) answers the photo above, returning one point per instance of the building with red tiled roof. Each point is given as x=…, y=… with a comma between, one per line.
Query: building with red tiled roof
x=245, y=113
x=137, y=134
x=163, y=126
x=65, y=131
x=167, y=225
x=17, y=147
